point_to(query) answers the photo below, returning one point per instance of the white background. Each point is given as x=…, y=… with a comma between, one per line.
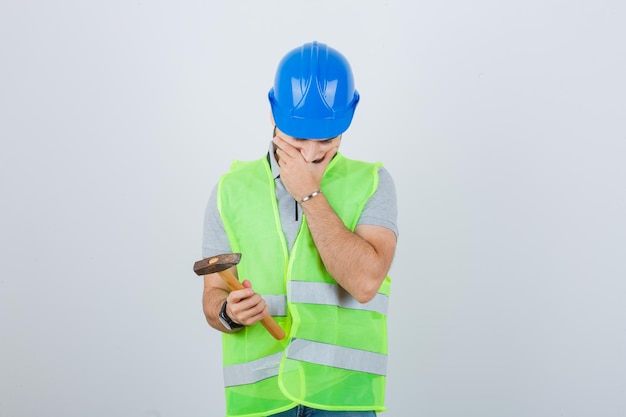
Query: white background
x=502, y=123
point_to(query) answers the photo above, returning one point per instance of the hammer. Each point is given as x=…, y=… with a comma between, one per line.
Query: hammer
x=220, y=264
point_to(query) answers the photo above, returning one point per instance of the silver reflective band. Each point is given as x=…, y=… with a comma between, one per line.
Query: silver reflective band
x=277, y=304
x=251, y=372
x=337, y=356
x=332, y=294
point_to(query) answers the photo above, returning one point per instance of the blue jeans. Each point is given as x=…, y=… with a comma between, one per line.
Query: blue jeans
x=302, y=411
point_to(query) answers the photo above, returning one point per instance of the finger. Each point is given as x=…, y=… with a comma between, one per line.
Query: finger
x=250, y=314
x=244, y=314
x=284, y=147
x=280, y=157
x=245, y=303
x=277, y=142
x=237, y=296
x=258, y=317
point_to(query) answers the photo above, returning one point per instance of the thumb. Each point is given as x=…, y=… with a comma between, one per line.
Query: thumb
x=247, y=284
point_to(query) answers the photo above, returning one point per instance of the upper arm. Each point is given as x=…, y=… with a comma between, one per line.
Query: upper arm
x=214, y=238
x=381, y=208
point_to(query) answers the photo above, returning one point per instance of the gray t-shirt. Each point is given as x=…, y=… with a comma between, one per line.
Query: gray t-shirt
x=380, y=210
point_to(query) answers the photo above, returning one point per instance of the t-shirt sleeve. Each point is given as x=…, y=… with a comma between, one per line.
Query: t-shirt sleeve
x=382, y=209
x=214, y=238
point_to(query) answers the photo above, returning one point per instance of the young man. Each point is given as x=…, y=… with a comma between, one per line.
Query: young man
x=317, y=233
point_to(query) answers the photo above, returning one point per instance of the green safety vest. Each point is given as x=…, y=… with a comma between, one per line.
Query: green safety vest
x=335, y=354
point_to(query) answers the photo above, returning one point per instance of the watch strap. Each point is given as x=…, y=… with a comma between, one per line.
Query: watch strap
x=226, y=320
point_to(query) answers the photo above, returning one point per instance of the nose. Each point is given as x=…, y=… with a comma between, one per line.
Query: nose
x=311, y=150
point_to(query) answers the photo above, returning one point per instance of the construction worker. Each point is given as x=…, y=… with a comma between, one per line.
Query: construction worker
x=317, y=233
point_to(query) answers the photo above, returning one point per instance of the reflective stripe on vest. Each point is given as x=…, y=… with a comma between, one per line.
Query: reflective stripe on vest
x=251, y=372
x=306, y=351
x=337, y=356
x=332, y=294
x=277, y=304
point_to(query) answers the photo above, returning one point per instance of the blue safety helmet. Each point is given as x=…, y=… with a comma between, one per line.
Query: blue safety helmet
x=313, y=95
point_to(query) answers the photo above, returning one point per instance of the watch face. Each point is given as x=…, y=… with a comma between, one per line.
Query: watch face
x=224, y=322
x=223, y=317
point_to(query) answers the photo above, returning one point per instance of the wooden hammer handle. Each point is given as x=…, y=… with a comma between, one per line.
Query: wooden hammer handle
x=268, y=322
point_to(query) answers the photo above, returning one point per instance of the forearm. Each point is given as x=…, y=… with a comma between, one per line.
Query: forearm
x=212, y=300
x=350, y=259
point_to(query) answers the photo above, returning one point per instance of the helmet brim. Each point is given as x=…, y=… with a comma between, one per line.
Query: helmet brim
x=312, y=128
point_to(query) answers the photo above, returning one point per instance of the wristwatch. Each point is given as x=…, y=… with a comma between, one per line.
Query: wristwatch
x=227, y=321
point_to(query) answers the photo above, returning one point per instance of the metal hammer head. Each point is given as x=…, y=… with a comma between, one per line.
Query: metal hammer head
x=216, y=263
